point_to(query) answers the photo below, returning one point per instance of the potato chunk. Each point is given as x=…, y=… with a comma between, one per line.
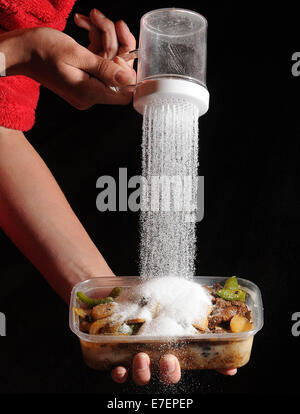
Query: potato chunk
x=98, y=325
x=240, y=324
x=201, y=326
x=102, y=311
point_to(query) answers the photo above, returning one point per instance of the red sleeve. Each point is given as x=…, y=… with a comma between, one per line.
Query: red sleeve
x=19, y=94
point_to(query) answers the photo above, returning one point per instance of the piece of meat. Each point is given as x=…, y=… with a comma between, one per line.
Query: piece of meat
x=225, y=310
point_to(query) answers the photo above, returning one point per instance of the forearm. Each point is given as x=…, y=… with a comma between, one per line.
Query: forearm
x=15, y=49
x=37, y=217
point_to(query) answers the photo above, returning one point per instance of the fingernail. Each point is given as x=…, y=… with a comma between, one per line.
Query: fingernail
x=123, y=77
x=119, y=375
x=141, y=362
x=126, y=64
x=119, y=60
x=120, y=372
x=169, y=365
x=98, y=13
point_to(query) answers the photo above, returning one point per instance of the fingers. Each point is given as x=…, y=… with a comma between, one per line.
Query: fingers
x=82, y=21
x=170, y=372
x=141, y=373
x=94, y=92
x=125, y=37
x=107, y=32
x=107, y=39
x=229, y=372
x=87, y=81
x=126, y=40
x=121, y=62
x=107, y=71
x=119, y=374
x=83, y=91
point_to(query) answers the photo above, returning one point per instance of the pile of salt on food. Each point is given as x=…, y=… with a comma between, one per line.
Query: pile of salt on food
x=169, y=306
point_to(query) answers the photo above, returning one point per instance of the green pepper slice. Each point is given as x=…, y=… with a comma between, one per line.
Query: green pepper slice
x=115, y=292
x=230, y=294
x=231, y=283
x=90, y=302
x=232, y=291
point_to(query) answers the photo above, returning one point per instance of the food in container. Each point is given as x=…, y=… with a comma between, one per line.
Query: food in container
x=114, y=319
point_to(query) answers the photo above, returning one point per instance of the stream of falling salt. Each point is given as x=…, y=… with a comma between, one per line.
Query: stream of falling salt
x=169, y=189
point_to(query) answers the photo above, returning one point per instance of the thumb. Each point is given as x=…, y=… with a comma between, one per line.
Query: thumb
x=109, y=72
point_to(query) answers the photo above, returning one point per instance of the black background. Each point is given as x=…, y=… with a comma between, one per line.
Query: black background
x=248, y=155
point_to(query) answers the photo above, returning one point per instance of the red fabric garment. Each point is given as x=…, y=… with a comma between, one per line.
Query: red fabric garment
x=19, y=94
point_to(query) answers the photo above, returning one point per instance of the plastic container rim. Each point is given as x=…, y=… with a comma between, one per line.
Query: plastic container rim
x=258, y=321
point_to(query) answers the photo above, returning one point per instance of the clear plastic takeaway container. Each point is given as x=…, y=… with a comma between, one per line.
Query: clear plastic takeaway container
x=200, y=351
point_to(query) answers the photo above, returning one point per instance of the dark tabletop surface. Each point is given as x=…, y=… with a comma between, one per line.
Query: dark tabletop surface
x=249, y=154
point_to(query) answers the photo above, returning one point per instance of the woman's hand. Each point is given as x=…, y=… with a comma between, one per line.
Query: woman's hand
x=107, y=39
x=78, y=75
x=170, y=372
x=81, y=76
